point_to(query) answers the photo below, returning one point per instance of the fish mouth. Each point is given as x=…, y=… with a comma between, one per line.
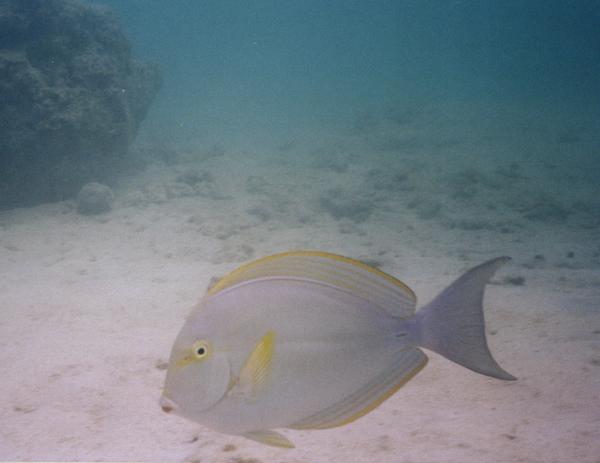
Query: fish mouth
x=166, y=404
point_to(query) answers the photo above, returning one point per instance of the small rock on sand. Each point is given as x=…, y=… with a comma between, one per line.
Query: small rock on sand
x=94, y=198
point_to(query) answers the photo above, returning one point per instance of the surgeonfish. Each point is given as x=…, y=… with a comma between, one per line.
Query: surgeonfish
x=312, y=340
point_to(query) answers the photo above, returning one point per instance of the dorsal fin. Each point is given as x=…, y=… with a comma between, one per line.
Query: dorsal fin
x=348, y=274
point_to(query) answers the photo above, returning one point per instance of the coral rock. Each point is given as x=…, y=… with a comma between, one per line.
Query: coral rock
x=72, y=98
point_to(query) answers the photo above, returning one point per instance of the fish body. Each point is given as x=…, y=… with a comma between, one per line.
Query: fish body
x=311, y=340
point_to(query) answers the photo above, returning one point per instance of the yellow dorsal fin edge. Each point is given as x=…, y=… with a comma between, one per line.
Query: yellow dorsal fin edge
x=237, y=275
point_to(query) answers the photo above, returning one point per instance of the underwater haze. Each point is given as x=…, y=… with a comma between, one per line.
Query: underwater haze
x=183, y=139
x=275, y=68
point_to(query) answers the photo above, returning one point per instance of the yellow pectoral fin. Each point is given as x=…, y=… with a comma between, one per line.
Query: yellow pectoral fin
x=256, y=372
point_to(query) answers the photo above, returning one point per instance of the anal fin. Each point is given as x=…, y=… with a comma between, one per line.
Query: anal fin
x=405, y=366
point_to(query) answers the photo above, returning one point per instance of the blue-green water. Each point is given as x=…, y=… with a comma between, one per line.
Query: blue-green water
x=282, y=66
x=512, y=83
x=421, y=137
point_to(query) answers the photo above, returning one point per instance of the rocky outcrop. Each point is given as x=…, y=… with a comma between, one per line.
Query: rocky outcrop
x=72, y=98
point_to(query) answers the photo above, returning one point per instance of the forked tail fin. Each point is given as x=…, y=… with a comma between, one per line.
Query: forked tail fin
x=453, y=325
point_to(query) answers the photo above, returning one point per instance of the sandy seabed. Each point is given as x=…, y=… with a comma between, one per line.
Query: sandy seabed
x=90, y=305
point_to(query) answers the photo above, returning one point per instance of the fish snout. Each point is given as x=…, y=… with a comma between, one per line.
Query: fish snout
x=167, y=404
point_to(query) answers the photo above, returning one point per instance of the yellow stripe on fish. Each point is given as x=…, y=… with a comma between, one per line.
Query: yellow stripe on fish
x=313, y=340
x=366, y=399
x=351, y=274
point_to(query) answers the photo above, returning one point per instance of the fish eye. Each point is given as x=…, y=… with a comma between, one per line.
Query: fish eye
x=200, y=349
